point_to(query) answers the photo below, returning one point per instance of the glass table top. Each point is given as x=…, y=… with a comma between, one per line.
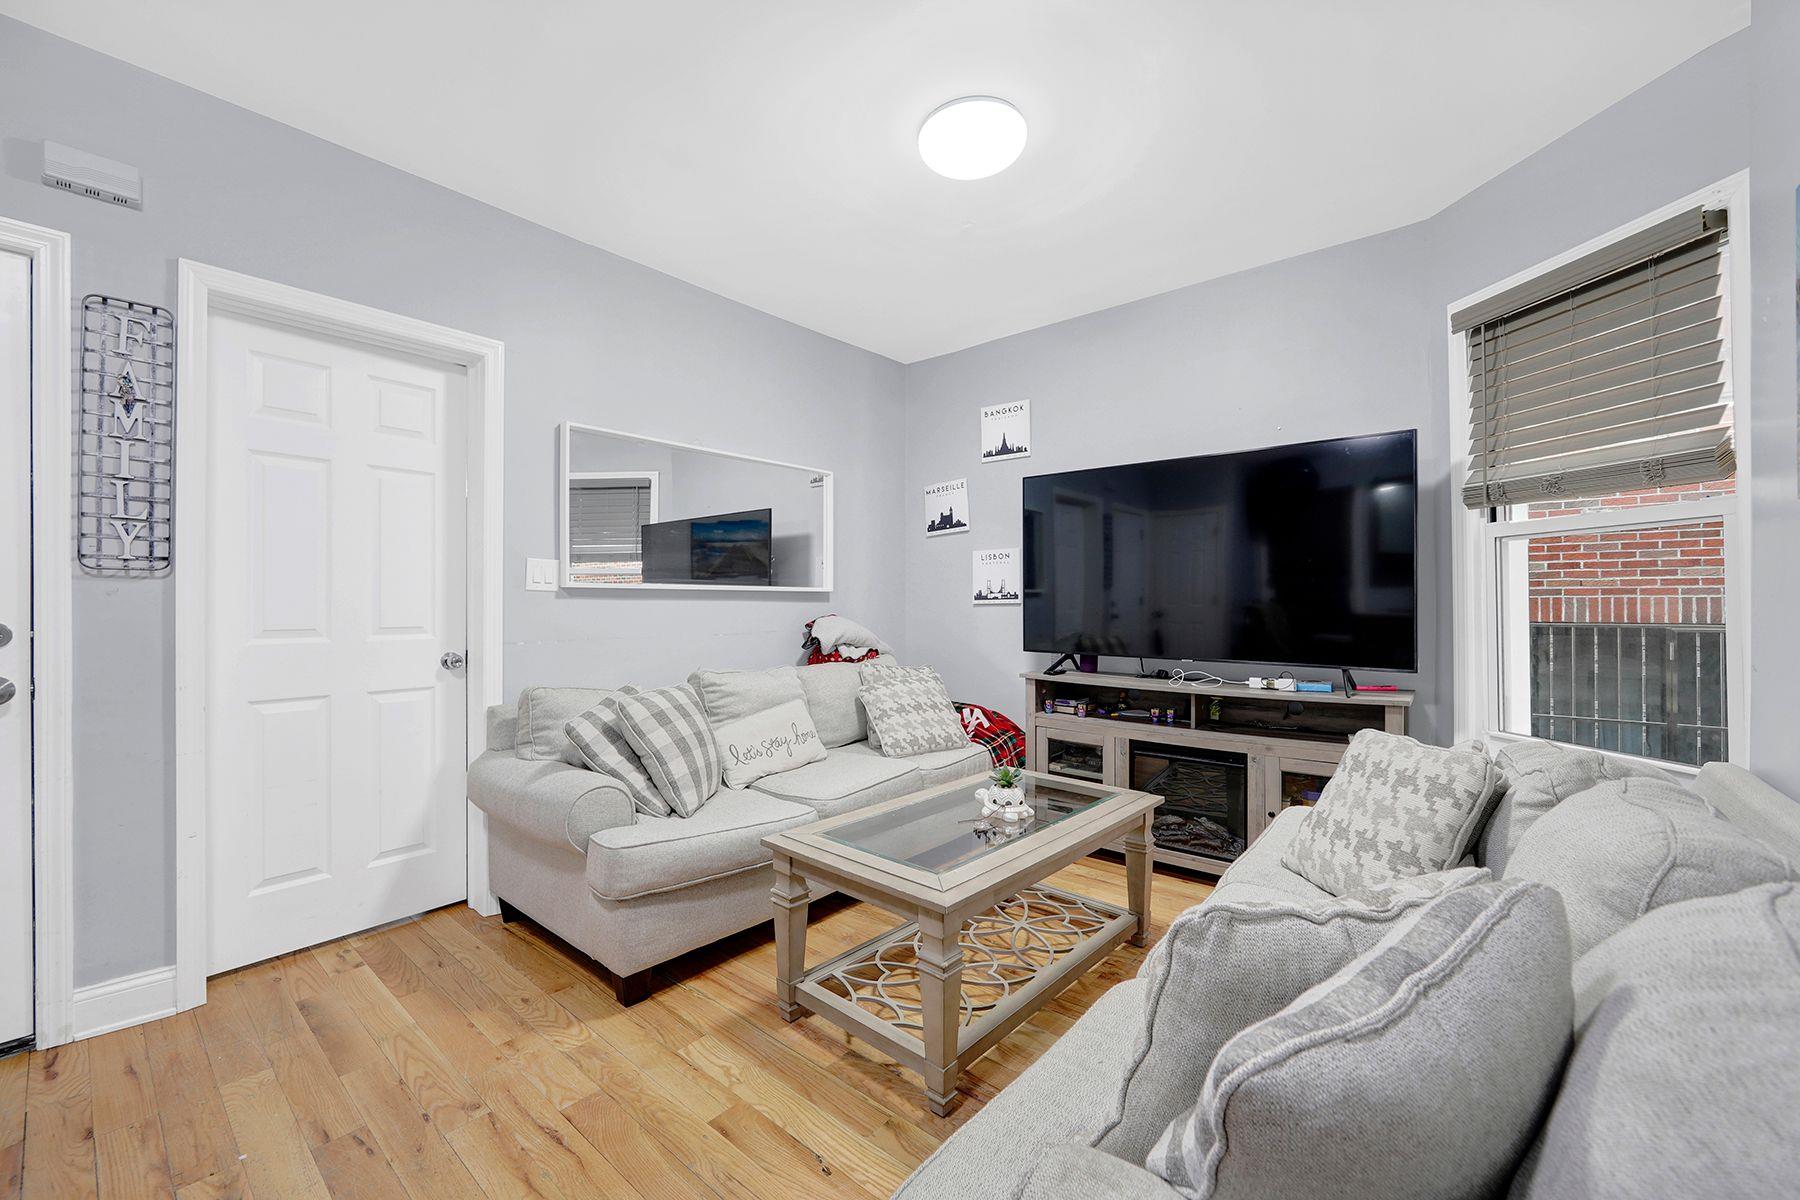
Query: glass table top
x=945, y=831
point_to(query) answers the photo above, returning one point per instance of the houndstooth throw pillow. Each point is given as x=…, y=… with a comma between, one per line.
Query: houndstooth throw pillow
x=667, y=727
x=1395, y=808
x=909, y=711
x=599, y=738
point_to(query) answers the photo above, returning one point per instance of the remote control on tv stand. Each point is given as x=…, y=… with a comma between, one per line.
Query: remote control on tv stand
x=1350, y=688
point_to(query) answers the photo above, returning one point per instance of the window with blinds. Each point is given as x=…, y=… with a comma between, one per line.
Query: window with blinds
x=605, y=520
x=1606, y=374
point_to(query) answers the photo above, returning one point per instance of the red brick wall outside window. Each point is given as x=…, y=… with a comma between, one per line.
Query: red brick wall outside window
x=1670, y=574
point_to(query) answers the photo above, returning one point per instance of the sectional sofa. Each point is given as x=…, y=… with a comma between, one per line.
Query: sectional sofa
x=567, y=849
x=1682, y=1069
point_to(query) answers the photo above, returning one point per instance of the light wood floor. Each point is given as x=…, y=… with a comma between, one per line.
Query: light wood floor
x=453, y=1056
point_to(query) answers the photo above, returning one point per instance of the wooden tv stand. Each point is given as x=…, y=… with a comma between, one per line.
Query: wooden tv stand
x=1221, y=743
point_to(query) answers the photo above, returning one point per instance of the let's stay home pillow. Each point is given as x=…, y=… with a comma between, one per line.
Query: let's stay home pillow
x=767, y=743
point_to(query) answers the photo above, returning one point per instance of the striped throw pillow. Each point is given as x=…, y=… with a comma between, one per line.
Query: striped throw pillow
x=599, y=739
x=667, y=727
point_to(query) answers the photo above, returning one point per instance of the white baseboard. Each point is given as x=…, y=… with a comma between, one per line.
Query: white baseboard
x=127, y=1000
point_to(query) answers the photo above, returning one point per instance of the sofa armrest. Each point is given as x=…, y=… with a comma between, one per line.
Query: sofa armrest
x=1074, y=1172
x=548, y=800
x=502, y=726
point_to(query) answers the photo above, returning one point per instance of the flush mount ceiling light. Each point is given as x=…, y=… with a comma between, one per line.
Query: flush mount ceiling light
x=972, y=138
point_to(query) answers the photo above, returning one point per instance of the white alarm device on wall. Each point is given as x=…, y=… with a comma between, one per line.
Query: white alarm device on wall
x=90, y=175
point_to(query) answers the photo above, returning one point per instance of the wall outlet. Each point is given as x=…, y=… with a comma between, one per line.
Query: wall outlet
x=542, y=574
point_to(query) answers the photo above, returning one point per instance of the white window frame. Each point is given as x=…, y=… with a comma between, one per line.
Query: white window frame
x=1476, y=543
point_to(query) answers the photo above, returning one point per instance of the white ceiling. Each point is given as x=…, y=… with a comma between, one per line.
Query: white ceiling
x=766, y=150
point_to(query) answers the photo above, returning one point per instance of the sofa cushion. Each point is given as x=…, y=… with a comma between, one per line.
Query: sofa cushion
x=1420, y=1069
x=668, y=730
x=1685, y=1076
x=1078, y=1173
x=1257, y=873
x=598, y=736
x=767, y=743
x=1224, y=965
x=1062, y=1097
x=1395, y=807
x=730, y=695
x=830, y=691
x=935, y=766
x=943, y=766
x=909, y=710
x=658, y=854
x=842, y=782
x=1538, y=776
x=1625, y=847
x=543, y=711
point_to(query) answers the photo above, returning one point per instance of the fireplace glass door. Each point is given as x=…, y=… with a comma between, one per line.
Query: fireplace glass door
x=1205, y=809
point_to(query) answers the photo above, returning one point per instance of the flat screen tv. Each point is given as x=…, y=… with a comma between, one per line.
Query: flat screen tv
x=1294, y=556
x=726, y=548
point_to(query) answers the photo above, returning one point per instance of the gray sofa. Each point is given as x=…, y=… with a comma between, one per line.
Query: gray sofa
x=1651, y=1101
x=567, y=849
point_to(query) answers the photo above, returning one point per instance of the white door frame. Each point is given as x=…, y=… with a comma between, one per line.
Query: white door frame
x=52, y=587
x=205, y=291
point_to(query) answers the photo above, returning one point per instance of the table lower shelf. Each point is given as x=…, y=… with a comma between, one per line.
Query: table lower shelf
x=1016, y=956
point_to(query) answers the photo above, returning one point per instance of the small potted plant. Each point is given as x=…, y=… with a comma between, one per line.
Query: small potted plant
x=1006, y=798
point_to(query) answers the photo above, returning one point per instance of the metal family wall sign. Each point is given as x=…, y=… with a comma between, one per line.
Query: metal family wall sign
x=125, y=440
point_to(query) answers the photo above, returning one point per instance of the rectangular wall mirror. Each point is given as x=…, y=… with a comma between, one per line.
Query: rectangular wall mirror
x=640, y=512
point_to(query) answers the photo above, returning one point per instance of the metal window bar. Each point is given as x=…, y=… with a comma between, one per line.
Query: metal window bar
x=1657, y=691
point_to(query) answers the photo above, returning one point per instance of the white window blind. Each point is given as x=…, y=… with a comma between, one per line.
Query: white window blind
x=1605, y=375
x=605, y=517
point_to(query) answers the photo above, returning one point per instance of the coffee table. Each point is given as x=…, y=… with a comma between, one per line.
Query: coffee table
x=984, y=944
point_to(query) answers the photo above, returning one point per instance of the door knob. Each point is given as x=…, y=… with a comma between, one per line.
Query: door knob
x=451, y=661
x=8, y=689
x=5, y=634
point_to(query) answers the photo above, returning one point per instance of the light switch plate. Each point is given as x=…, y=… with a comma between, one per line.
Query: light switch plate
x=541, y=574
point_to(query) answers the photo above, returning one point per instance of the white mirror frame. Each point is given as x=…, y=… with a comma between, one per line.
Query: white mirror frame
x=827, y=565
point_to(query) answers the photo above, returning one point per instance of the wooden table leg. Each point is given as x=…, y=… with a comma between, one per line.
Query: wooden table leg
x=791, y=899
x=940, y=993
x=1138, y=845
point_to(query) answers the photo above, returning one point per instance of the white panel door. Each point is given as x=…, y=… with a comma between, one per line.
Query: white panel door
x=15, y=657
x=335, y=737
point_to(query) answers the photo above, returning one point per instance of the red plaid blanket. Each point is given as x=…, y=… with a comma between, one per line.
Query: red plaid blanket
x=1004, y=740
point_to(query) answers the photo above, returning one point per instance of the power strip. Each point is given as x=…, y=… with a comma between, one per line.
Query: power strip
x=1285, y=684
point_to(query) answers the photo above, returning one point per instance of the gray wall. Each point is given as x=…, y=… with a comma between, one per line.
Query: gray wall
x=1775, y=493
x=588, y=336
x=1329, y=344
x=1351, y=340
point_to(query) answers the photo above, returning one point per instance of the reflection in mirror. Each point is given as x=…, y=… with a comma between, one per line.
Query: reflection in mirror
x=642, y=512
x=607, y=510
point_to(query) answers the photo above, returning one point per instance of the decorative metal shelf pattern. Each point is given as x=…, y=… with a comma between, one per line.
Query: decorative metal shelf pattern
x=1004, y=949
